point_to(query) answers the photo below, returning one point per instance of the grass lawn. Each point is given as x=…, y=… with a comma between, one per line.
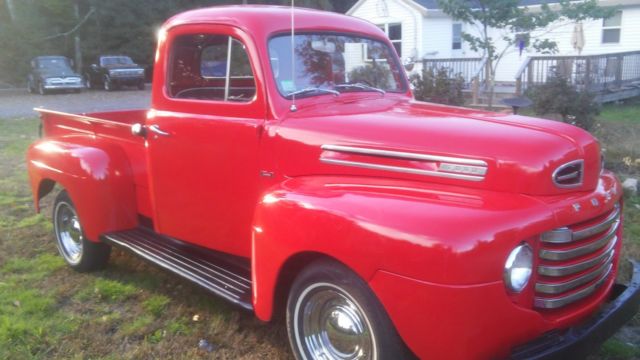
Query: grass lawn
x=132, y=310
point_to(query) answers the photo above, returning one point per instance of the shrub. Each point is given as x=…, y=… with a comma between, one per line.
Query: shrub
x=374, y=75
x=438, y=86
x=558, y=96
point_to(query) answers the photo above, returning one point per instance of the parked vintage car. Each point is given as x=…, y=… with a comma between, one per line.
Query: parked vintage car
x=114, y=71
x=49, y=73
x=379, y=225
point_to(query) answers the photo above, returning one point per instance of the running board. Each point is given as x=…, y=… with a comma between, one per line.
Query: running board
x=225, y=275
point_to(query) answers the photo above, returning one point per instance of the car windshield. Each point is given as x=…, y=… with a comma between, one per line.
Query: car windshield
x=342, y=63
x=116, y=60
x=54, y=63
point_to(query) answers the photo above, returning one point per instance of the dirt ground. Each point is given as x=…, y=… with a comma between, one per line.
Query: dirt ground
x=19, y=103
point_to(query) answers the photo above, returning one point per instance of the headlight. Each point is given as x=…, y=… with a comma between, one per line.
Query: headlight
x=140, y=71
x=518, y=268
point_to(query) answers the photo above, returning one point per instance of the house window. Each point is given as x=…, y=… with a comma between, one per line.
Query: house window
x=456, y=38
x=394, y=33
x=611, y=29
x=210, y=67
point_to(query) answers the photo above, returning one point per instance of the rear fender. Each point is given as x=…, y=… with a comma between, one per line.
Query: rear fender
x=429, y=232
x=97, y=175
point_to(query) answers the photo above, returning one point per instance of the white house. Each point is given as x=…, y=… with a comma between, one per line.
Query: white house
x=419, y=30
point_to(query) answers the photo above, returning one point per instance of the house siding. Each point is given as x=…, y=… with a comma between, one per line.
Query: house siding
x=561, y=32
x=430, y=34
x=398, y=12
x=437, y=38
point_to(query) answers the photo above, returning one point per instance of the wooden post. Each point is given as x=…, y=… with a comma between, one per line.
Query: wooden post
x=587, y=73
x=475, y=88
x=519, y=86
x=530, y=72
x=619, y=61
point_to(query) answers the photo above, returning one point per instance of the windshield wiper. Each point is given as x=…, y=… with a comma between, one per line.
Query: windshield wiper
x=313, y=89
x=360, y=86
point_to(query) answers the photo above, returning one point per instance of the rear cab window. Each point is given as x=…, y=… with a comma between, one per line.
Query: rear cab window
x=210, y=67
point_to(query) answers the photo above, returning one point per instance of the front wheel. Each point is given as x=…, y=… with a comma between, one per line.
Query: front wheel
x=332, y=314
x=79, y=252
x=41, y=89
x=108, y=84
x=87, y=82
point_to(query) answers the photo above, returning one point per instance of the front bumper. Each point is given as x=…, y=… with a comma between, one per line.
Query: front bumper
x=127, y=80
x=64, y=86
x=580, y=341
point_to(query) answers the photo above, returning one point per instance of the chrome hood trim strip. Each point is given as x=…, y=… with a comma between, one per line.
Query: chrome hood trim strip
x=469, y=169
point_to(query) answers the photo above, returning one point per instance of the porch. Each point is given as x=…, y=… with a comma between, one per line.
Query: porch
x=612, y=77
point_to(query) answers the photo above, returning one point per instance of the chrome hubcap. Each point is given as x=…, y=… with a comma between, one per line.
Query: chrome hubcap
x=330, y=325
x=68, y=232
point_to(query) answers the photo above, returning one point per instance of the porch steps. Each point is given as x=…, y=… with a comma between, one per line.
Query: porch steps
x=224, y=275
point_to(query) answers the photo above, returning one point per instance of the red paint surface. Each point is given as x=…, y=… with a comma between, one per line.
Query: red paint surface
x=432, y=249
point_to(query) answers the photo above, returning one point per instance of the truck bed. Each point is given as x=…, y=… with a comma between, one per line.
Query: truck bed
x=106, y=127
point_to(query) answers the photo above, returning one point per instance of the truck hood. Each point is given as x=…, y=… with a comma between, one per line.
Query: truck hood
x=122, y=66
x=424, y=142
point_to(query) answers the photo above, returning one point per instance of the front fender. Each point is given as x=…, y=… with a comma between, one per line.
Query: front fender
x=97, y=175
x=435, y=233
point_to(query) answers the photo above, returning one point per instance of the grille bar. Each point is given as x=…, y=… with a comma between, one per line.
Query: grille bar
x=554, y=303
x=576, y=268
x=614, y=217
x=582, y=250
x=549, y=288
x=565, y=235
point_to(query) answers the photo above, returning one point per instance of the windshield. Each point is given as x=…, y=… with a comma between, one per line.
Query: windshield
x=54, y=63
x=116, y=60
x=342, y=63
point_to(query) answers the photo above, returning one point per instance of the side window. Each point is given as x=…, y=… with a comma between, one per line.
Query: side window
x=611, y=28
x=456, y=37
x=210, y=67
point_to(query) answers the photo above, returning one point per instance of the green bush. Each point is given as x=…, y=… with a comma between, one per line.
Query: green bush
x=558, y=96
x=374, y=75
x=438, y=86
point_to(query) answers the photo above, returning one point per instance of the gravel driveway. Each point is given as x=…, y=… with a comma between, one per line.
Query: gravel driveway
x=19, y=103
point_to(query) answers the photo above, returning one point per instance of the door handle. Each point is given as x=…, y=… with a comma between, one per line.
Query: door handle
x=156, y=130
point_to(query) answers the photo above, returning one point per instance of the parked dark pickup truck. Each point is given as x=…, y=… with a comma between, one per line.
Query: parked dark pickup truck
x=112, y=72
x=50, y=73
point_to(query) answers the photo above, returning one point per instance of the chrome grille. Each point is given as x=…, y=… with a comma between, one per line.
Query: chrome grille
x=576, y=260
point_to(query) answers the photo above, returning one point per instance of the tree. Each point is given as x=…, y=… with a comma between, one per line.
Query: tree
x=51, y=27
x=520, y=24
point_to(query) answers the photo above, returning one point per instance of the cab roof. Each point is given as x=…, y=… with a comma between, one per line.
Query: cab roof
x=266, y=20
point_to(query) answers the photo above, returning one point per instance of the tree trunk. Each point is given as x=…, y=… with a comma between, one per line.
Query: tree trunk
x=491, y=75
x=77, y=47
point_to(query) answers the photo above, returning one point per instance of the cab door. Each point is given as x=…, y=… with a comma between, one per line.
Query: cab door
x=203, y=137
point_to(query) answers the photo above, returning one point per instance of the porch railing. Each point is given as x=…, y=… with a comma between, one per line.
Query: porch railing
x=468, y=68
x=595, y=73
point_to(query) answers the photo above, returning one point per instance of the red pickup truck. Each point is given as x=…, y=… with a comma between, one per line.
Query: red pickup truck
x=295, y=174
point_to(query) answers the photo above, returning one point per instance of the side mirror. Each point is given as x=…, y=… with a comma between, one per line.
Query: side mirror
x=33, y=64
